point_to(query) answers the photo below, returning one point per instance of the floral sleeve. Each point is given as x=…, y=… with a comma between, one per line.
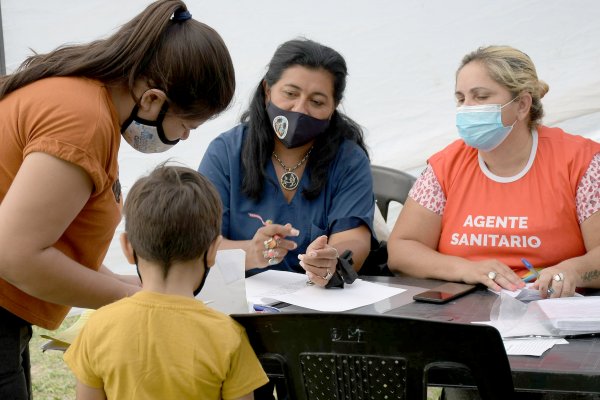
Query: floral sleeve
x=428, y=192
x=588, y=191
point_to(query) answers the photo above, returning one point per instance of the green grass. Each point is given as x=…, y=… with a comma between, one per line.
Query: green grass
x=52, y=379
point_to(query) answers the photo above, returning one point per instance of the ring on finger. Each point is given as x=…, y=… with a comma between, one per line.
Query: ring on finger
x=550, y=291
x=270, y=243
x=492, y=275
x=559, y=277
x=273, y=261
x=270, y=253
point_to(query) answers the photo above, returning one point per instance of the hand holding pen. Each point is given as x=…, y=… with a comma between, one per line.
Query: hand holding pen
x=269, y=246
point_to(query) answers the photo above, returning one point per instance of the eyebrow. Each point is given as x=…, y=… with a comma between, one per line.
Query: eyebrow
x=299, y=88
x=472, y=90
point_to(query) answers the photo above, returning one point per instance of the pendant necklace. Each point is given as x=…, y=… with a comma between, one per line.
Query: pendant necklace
x=289, y=180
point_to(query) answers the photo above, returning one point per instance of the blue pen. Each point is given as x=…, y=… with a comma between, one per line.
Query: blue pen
x=261, y=308
x=530, y=268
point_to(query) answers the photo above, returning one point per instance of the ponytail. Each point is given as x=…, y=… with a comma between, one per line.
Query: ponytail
x=185, y=58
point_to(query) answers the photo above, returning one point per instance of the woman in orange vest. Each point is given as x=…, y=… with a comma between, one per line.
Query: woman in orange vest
x=511, y=198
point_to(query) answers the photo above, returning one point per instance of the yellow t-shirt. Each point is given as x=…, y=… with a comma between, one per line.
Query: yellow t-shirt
x=158, y=346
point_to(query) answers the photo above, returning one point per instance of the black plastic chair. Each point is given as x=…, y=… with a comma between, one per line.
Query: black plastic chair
x=329, y=356
x=390, y=185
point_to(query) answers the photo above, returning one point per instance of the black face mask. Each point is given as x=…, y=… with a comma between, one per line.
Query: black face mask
x=206, y=271
x=293, y=128
x=196, y=291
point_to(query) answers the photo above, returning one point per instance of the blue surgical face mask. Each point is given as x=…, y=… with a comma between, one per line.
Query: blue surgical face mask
x=147, y=136
x=481, y=126
x=293, y=128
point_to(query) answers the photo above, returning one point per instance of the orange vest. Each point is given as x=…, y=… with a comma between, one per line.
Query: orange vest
x=534, y=217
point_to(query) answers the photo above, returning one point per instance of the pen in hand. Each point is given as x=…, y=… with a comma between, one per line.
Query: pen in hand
x=534, y=274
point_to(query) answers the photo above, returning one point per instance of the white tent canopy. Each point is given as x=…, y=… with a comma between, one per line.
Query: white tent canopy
x=402, y=57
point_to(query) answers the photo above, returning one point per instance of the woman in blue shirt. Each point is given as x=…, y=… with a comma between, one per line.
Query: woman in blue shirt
x=300, y=164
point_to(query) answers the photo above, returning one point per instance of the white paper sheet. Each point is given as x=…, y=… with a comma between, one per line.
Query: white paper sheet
x=530, y=347
x=290, y=287
x=225, y=288
x=517, y=328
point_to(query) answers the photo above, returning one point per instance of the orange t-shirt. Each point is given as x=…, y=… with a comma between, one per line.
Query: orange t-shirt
x=72, y=119
x=532, y=216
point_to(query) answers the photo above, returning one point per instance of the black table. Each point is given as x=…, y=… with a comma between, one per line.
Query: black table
x=573, y=368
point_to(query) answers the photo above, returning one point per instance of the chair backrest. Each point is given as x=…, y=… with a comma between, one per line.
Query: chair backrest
x=323, y=356
x=390, y=185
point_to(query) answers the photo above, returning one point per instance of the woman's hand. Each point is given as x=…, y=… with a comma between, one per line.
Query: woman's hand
x=319, y=261
x=557, y=281
x=493, y=274
x=269, y=246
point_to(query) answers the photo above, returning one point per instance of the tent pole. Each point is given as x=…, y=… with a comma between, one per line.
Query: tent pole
x=2, y=60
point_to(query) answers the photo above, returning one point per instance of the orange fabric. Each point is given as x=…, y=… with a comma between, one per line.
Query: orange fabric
x=72, y=119
x=533, y=217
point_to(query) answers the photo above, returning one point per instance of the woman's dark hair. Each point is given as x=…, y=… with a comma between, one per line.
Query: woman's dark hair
x=258, y=145
x=185, y=58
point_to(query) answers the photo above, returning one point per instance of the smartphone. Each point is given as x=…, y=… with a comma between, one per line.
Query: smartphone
x=444, y=293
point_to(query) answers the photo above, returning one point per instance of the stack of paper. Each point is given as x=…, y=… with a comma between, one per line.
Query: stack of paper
x=572, y=314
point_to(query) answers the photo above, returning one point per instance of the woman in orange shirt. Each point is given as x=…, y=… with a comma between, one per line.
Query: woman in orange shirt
x=62, y=116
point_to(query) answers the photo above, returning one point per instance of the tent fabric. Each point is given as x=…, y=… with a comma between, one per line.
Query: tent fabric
x=402, y=58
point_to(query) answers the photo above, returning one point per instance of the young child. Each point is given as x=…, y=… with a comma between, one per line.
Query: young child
x=161, y=342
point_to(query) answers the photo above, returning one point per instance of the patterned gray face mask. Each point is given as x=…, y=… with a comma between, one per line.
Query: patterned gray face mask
x=147, y=136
